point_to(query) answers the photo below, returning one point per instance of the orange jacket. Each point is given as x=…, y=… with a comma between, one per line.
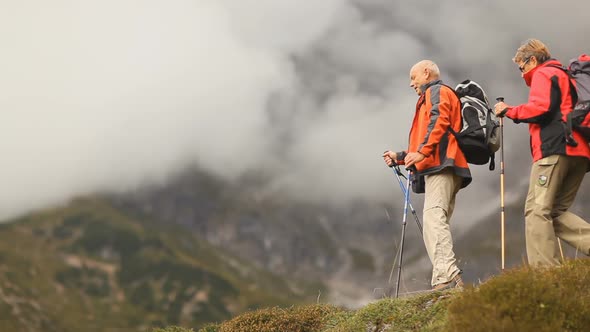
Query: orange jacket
x=437, y=109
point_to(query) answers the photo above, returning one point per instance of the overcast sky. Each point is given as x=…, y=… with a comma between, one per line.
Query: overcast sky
x=110, y=95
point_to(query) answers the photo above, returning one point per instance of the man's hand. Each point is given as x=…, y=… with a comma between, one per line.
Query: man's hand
x=499, y=109
x=412, y=158
x=389, y=157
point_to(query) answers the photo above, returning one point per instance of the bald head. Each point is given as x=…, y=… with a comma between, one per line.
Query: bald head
x=428, y=65
x=423, y=73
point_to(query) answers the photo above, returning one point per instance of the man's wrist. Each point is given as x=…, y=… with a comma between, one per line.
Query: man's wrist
x=422, y=152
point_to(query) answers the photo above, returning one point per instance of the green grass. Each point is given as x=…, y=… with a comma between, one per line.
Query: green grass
x=172, y=329
x=293, y=319
x=420, y=313
x=527, y=299
x=523, y=299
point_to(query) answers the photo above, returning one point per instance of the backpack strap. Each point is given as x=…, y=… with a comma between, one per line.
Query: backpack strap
x=573, y=90
x=569, y=137
x=468, y=131
x=492, y=162
x=450, y=129
x=490, y=128
x=569, y=128
x=579, y=71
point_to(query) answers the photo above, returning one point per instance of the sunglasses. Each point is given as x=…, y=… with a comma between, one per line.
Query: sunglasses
x=521, y=68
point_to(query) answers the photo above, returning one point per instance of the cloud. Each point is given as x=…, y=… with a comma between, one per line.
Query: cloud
x=105, y=95
x=109, y=95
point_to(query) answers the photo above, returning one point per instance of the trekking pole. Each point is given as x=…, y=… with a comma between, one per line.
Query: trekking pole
x=560, y=250
x=398, y=173
x=401, y=251
x=501, y=99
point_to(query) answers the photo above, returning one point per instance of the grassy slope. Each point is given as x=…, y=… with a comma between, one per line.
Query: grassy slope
x=522, y=299
x=89, y=267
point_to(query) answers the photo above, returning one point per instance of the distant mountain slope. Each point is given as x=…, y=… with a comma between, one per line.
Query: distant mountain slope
x=89, y=267
x=351, y=248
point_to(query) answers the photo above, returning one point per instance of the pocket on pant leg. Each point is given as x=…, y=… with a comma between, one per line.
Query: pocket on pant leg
x=543, y=178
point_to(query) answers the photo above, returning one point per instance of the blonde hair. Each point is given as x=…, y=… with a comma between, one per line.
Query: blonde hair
x=532, y=47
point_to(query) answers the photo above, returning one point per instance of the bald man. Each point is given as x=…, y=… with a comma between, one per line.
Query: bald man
x=439, y=164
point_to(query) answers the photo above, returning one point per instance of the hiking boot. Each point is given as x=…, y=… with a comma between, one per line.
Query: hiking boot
x=456, y=282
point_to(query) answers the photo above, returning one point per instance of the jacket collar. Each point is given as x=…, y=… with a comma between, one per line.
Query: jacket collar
x=429, y=84
x=528, y=77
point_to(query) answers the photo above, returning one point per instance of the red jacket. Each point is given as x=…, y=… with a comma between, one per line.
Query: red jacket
x=549, y=103
x=437, y=110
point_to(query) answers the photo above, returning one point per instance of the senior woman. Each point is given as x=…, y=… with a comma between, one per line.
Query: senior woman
x=558, y=167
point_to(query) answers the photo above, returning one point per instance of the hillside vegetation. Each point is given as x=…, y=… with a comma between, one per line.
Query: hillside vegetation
x=523, y=299
x=90, y=267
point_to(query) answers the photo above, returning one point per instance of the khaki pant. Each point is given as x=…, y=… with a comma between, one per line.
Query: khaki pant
x=553, y=187
x=439, y=202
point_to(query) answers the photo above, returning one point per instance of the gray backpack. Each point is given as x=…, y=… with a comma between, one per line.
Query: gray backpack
x=478, y=137
x=579, y=119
